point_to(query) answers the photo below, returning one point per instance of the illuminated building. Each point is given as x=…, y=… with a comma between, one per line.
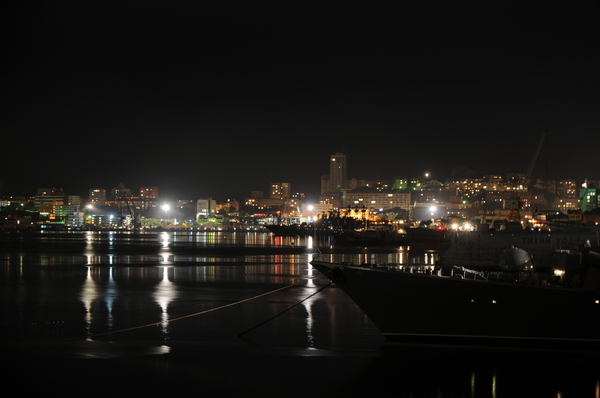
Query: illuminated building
x=338, y=173
x=120, y=192
x=51, y=196
x=98, y=196
x=148, y=192
x=377, y=200
x=280, y=190
x=589, y=198
x=205, y=208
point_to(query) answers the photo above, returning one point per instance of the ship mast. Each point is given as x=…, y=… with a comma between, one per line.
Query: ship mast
x=514, y=215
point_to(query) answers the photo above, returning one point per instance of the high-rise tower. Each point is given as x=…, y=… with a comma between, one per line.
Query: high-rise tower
x=280, y=190
x=338, y=172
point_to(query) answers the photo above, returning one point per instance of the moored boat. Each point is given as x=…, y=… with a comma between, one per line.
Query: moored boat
x=429, y=238
x=457, y=305
x=304, y=230
x=482, y=249
x=376, y=235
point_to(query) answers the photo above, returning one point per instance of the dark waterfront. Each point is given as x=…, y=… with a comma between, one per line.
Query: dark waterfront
x=230, y=314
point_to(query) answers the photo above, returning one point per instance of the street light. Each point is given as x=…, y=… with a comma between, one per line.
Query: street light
x=86, y=215
x=310, y=209
x=166, y=208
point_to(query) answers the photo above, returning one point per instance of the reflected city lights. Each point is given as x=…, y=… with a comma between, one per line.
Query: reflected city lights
x=163, y=294
x=128, y=294
x=310, y=272
x=165, y=239
x=96, y=296
x=309, y=322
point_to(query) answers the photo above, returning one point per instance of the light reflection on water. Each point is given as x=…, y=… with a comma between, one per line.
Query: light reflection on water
x=122, y=270
x=164, y=293
x=101, y=283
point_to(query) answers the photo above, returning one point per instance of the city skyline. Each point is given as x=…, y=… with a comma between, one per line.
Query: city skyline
x=274, y=189
x=222, y=100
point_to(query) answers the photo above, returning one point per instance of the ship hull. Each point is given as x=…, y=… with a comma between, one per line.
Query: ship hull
x=300, y=230
x=371, y=239
x=428, y=239
x=429, y=308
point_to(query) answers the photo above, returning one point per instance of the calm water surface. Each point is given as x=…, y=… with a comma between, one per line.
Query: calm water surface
x=229, y=314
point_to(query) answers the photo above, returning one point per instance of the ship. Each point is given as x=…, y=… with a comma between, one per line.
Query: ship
x=420, y=238
x=304, y=229
x=481, y=249
x=329, y=225
x=381, y=234
x=371, y=238
x=449, y=304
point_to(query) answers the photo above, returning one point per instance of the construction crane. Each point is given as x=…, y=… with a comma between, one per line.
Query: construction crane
x=130, y=218
x=515, y=205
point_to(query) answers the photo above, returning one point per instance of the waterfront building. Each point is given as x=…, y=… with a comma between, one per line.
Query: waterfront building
x=336, y=181
x=265, y=204
x=338, y=172
x=376, y=200
x=315, y=210
x=120, y=192
x=148, y=192
x=280, y=190
x=589, y=198
x=206, y=207
x=70, y=214
x=325, y=185
x=97, y=196
x=516, y=182
x=74, y=200
x=566, y=204
x=567, y=189
x=48, y=197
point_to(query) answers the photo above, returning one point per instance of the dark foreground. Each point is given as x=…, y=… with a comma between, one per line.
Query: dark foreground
x=120, y=323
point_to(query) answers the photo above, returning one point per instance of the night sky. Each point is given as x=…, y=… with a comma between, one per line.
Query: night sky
x=222, y=100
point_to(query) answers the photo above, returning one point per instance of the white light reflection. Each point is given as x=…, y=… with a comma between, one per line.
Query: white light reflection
x=94, y=295
x=310, y=274
x=164, y=293
x=165, y=246
x=165, y=239
x=309, y=323
x=88, y=295
x=308, y=305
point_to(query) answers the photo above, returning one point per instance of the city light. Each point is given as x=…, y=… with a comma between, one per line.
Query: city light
x=419, y=197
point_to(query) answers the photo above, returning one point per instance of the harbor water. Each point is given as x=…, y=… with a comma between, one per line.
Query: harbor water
x=223, y=314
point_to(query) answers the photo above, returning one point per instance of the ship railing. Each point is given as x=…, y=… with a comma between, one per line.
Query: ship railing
x=454, y=271
x=408, y=268
x=466, y=273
